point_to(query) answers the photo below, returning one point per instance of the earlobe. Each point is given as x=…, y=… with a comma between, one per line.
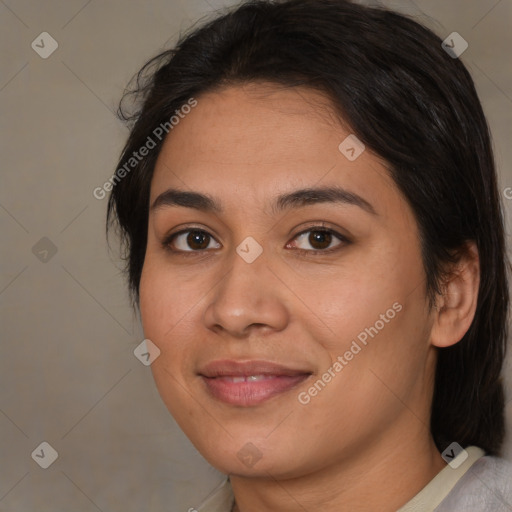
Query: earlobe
x=455, y=308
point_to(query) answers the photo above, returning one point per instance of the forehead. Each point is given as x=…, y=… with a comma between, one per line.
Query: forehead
x=254, y=139
x=269, y=121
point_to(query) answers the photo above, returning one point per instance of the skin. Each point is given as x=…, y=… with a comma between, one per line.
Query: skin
x=363, y=442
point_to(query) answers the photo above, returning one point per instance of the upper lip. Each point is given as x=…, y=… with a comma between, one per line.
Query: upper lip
x=224, y=368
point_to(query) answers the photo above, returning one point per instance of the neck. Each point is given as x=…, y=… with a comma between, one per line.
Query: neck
x=382, y=477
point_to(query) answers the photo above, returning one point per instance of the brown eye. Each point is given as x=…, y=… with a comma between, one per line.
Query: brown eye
x=198, y=240
x=190, y=240
x=319, y=241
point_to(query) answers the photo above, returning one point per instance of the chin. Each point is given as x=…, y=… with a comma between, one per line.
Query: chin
x=253, y=459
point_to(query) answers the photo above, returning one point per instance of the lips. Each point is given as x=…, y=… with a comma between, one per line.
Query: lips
x=249, y=383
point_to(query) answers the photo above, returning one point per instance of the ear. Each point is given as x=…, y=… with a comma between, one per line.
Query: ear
x=455, y=308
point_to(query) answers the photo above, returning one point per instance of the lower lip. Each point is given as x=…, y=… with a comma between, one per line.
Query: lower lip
x=250, y=393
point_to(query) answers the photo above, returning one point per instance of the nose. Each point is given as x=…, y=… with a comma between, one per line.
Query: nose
x=248, y=298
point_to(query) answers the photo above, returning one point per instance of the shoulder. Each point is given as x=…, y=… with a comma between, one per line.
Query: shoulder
x=486, y=487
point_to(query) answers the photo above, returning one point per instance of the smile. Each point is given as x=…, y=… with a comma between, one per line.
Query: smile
x=250, y=383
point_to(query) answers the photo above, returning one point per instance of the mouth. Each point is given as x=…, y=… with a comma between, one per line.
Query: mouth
x=249, y=383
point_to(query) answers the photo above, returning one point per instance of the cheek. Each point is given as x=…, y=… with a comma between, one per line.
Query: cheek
x=377, y=318
x=165, y=301
x=163, y=314
x=172, y=307
x=378, y=374
x=351, y=299
x=154, y=303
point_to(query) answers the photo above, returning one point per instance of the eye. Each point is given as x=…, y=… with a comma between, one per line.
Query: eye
x=321, y=240
x=191, y=240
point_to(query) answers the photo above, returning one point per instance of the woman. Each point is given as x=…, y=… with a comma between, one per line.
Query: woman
x=315, y=241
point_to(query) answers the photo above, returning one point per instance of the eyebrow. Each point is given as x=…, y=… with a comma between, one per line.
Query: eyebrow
x=292, y=200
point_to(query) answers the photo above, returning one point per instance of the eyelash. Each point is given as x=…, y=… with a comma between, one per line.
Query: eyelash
x=166, y=243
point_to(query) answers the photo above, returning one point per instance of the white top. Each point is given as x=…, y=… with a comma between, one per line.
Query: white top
x=479, y=484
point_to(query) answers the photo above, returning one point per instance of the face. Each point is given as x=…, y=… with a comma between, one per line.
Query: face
x=288, y=303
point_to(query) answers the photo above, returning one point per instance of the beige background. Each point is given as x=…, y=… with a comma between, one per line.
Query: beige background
x=68, y=373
